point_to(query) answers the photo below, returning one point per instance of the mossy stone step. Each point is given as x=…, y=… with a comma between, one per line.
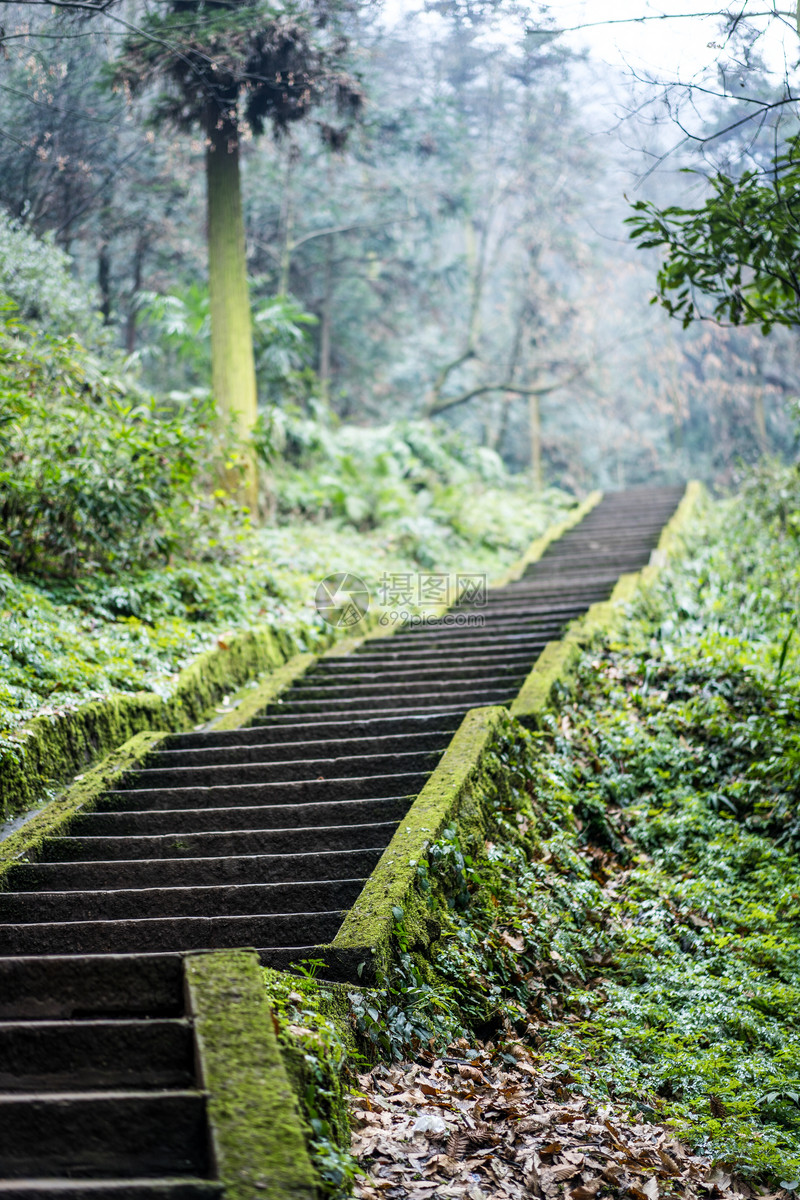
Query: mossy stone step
x=167, y=934
x=197, y=871
x=269, y=734
x=257, y=752
x=392, y=702
x=373, y=686
x=275, y=770
x=315, y=839
x=453, y=670
x=316, y=789
x=242, y=817
x=96, y=1133
x=43, y=989
x=279, y=717
x=110, y=1189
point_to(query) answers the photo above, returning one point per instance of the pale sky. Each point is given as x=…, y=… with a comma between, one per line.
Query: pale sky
x=682, y=47
x=678, y=47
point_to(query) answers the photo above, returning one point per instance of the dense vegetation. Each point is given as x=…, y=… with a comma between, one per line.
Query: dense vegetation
x=635, y=916
x=122, y=558
x=461, y=250
x=411, y=314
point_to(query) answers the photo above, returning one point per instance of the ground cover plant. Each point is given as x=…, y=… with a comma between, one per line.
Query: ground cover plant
x=632, y=920
x=121, y=557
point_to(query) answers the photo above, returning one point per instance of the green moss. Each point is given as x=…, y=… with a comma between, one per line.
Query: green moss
x=256, y=699
x=553, y=664
x=257, y=1133
x=50, y=750
x=321, y=1053
x=54, y=820
x=451, y=793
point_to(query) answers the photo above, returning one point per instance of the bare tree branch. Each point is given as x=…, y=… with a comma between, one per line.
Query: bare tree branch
x=714, y=12
x=444, y=403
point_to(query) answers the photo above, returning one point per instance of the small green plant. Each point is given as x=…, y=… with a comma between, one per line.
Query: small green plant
x=322, y=1065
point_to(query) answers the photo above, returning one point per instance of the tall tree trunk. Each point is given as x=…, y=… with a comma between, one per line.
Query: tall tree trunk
x=136, y=287
x=535, y=421
x=104, y=278
x=326, y=321
x=287, y=221
x=233, y=374
x=104, y=255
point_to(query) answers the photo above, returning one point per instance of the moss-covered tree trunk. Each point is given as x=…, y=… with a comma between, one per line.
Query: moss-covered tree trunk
x=233, y=376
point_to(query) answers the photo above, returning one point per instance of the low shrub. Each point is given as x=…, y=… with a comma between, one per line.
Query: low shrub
x=94, y=473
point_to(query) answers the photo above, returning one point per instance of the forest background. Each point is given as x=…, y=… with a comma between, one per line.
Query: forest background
x=452, y=328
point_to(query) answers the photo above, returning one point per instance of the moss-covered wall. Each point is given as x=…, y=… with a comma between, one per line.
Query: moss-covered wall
x=452, y=793
x=50, y=750
x=56, y=817
x=257, y=1134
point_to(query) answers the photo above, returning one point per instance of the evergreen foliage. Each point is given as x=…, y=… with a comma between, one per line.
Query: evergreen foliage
x=739, y=249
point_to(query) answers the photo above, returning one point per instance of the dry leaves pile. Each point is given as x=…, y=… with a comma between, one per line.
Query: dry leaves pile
x=479, y=1128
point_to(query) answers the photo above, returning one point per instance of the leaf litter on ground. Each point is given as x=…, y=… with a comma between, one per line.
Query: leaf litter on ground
x=483, y=1124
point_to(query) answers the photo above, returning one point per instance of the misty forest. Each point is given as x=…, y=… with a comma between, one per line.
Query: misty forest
x=399, y=599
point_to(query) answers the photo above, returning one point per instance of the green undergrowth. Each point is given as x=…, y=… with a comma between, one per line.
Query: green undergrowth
x=321, y=1055
x=634, y=911
x=122, y=559
x=62, y=644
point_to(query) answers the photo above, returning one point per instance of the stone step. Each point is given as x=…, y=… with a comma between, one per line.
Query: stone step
x=221, y=844
x=260, y=732
x=167, y=934
x=258, y=752
x=377, y=687
x=507, y=653
x=244, y=816
x=223, y=900
x=110, y=1189
x=350, y=716
x=91, y=1134
x=299, y=791
x=236, y=869
x=46, y=1056
x=371, y=701
x=351, y=670
x=34, y=989
x=333, y=766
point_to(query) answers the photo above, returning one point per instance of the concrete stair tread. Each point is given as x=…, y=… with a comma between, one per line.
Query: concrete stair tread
x=41, y=1056
x=198, y=870
x=333, y=766
x=130, y=822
